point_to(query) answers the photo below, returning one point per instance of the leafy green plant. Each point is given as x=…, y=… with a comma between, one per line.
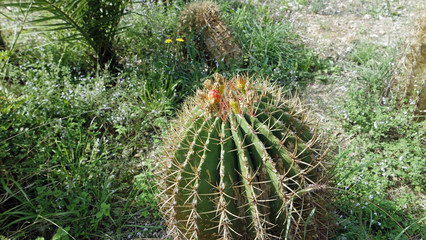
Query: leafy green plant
x=384, y=161
x=145, y=182
x=180, y=67
x=272, y=49
x=95, y=22
x=62, y=161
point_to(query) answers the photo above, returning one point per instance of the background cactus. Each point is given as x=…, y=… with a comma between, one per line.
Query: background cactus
x=411, y=79
x=201, y=19
x=242, y=162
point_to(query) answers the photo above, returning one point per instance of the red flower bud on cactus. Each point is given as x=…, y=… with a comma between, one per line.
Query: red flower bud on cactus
x=214, y=96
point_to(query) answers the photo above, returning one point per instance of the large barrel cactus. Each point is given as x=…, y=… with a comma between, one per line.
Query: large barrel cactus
x=243, y=162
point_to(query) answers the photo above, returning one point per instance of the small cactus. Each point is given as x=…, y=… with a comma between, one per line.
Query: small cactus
x=243, y=163
x=202, y=20
x=410, y=80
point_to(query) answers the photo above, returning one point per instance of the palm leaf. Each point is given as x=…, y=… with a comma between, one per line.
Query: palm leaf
x=95, y=21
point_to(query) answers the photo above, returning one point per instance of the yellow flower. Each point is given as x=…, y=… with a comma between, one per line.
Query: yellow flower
x=168, y=41
x=241, y=84
x=180, y=40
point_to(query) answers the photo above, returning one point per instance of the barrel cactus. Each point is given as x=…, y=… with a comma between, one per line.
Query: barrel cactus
x=202, y=20
x=243, y=161
x=410, y=80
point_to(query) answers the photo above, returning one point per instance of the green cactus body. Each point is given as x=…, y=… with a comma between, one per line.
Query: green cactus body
x=246, y=167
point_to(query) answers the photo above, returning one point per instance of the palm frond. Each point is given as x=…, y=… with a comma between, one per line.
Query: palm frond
x=96, y=21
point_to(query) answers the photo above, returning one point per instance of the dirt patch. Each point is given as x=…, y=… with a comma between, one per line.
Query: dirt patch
x=334, y=27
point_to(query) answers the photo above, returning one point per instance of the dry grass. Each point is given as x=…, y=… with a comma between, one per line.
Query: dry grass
x=410, y=83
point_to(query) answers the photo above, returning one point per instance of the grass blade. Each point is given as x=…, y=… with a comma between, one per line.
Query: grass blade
x=306, y=223
x=405, y=229
x=289, y=219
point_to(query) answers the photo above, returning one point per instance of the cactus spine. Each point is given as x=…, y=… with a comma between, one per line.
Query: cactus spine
x=242, y=162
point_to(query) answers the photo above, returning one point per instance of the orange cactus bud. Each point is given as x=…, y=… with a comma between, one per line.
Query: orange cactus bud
x=214, y=96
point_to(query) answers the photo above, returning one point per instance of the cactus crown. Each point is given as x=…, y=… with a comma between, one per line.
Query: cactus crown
x=242, y=162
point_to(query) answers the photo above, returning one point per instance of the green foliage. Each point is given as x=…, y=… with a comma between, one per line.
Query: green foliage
x=244, y=161
x=145, y=183
x=63, y=161
x=271, y=49
x=95, y=22
x=367, y=90
x=180, y=67
x=61, y=234
x=388, y=148
x=385, y=8
x=174, y=69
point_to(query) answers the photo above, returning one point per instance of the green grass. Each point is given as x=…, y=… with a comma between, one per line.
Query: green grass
x=69, y=154
x=76, y=142
x=384, y=163
x=271, y=48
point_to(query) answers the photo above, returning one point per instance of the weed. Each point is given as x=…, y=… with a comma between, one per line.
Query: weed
x=64, y=165
x=385, y=156
x=270, y=48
